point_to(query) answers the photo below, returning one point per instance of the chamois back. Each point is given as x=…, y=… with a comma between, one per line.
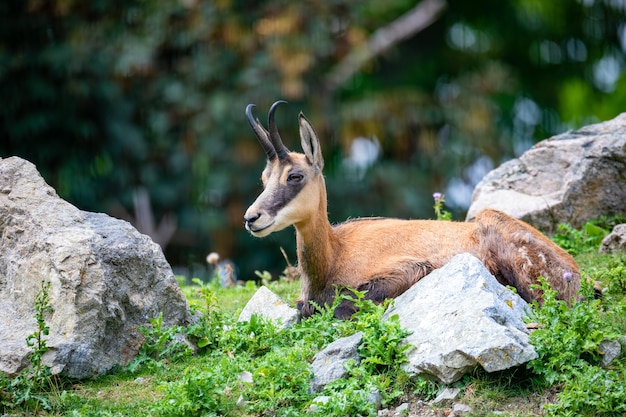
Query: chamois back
x=516, y=253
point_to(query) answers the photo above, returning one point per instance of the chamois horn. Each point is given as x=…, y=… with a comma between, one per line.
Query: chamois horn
x=261, y=134
x=281, y=150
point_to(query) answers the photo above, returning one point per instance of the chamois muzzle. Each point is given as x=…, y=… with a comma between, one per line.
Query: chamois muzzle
x=250, y=219
x=258, y=228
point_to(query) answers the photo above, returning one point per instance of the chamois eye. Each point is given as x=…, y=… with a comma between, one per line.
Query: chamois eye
x=295, y=178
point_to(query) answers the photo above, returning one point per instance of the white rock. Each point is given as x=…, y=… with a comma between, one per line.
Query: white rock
x=446, y=394
x=615, y=241
x=329, y=364
x=460, y=317
x=246, y=377
x=460, y=410
x=402, y=409
x=317, y=401
x=267, y=304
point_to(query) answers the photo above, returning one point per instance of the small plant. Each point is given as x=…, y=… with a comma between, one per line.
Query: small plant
x=280, y=381
x=207, y=331
x=37, y=341
x=255, y=337
x=159, y=343
x=426, y=388
x=264, y=276
x=31, y=387
x=440, y=212
x=592, y=391
x=588, y=237
x=382, y=349
x=575, y=241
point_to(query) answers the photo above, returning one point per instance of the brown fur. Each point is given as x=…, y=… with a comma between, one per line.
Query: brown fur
x=516, y=253
x=385, y=257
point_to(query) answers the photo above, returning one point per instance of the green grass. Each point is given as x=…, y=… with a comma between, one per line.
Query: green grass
x=168, y=380
x=233, y=299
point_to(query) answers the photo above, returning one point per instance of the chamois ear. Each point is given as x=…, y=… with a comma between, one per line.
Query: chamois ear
x=310, y=143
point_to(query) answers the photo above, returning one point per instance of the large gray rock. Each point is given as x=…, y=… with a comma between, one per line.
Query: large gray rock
x=270, y=306
x=570, y=178
x=615, y=241
x=460, y=317
x=106, y=279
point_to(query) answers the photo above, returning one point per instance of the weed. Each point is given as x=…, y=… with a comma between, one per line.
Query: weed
x=159, y=343
x=255, y=337
x=587, y=238
x=382, y=349
x=30, y=389
x=264, y=276
x=36, y=340
x=277, y=362
x=576, y=241
x=351, y=396
x=208, y=329
x=612, y=273
x=440, y=212
x=592, y=391
x=569, y=337
x=426, y=388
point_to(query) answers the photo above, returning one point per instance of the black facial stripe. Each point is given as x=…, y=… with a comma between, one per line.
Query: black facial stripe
x=283, y=196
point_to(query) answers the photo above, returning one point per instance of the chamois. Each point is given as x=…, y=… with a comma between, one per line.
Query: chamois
x=386, y=256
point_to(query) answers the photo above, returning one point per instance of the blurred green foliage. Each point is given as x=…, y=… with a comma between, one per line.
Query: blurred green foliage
x=111, y=97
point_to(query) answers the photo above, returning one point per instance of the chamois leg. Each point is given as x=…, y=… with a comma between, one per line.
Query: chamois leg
x=388, y=283
x=517, y=254
x=323, y=298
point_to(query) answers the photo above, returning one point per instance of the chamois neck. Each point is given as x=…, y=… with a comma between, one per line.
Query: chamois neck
x=315, y=246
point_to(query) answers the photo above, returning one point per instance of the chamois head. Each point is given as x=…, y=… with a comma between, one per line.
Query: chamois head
x=294, y=190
